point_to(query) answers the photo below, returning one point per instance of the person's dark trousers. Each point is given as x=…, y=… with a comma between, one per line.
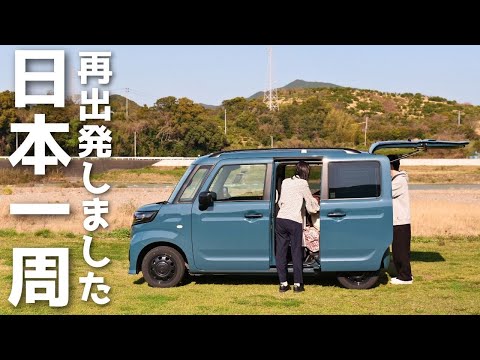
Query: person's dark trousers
x=288, y=232
x=401, y=251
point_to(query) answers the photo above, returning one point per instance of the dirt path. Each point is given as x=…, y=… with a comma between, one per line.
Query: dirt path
x=434, y=212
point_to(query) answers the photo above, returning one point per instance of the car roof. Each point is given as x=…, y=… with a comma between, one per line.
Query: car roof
x=293, y=153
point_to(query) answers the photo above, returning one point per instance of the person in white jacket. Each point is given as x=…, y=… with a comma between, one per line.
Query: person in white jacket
x=295, y=194
x=401, y=224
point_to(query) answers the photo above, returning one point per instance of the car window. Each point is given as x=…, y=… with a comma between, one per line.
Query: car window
x=314, y=178
x=194, y=183
x=360, y=179
x=239, y=182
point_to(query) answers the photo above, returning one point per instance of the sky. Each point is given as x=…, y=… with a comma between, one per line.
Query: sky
x=213, y=73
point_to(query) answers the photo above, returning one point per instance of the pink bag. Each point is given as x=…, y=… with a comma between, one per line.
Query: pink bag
x=311, y=237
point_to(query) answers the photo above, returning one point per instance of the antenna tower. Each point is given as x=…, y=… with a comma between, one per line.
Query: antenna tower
x=270, y=95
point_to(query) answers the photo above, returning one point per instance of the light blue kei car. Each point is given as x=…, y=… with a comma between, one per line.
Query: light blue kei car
x=220, y=218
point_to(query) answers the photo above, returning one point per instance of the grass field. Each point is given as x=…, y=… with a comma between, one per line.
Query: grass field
x=447, y=281
x=443, y=174
x=445, y=253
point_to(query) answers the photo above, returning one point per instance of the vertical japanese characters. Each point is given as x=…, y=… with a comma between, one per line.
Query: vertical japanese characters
x=44, y=272
x=40, y=132
x=94, y=67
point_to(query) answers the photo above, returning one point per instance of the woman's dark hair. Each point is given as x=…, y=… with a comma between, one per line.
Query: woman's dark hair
x=394, y=162
x=302, y=170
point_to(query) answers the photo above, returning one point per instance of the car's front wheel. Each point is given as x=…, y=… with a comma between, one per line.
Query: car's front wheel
x=163, y=267
x=358, y=280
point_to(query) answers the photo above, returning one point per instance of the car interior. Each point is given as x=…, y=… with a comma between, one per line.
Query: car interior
x=283, y=170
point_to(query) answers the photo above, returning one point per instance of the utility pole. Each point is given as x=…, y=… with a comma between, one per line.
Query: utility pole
x=127, y=90
x=458, y=123
x=135, y=144
x=225, y=121
x=271, y=141
x=366, y=127
x=72, y=89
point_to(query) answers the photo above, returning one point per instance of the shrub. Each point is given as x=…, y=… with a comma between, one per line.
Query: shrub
x=8, y=232
x=44, y=233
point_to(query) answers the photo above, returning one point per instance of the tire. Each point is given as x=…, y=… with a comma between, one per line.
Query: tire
x=358, y=280
x=163, y=267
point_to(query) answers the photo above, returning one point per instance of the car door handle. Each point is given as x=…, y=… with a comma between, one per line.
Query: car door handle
x=336, y=214
x=253, y=215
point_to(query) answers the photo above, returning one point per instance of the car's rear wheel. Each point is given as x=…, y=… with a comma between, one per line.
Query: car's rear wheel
x=163, y=267
x=358, y=280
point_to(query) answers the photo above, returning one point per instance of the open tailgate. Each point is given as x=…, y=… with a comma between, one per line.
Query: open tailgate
x=416, y=144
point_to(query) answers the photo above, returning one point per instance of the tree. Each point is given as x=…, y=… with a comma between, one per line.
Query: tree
x=7, y=117
x=340, y=126
x=168, y=103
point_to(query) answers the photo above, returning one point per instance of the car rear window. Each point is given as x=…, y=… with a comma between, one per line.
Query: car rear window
x=359, y=179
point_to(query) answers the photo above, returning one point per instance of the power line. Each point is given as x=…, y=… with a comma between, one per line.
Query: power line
x=138, y=97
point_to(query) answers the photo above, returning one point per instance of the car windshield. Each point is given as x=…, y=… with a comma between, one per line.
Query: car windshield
x=180, y=183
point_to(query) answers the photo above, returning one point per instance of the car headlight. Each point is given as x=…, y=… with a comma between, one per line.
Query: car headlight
x=140, y=217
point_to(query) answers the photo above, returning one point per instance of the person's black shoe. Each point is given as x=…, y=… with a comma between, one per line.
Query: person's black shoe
x=284, y=288
x=298, y=289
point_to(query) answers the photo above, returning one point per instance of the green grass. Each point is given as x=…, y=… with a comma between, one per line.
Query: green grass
x=447, y=281
x=8, y=232
x=46, y=233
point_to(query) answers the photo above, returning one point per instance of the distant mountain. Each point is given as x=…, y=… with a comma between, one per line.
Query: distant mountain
x=302, y=84
x=210, y=107
x=299, y=84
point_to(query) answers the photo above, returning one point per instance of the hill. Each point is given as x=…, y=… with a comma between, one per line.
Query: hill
x=298, y=84
x=373, y=103
x=118, y=103
x=335, y=116
x=302, y=84
x=210, y=107
x=311, y=114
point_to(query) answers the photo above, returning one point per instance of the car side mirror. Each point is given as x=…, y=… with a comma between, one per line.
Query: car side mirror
x=206, y=199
